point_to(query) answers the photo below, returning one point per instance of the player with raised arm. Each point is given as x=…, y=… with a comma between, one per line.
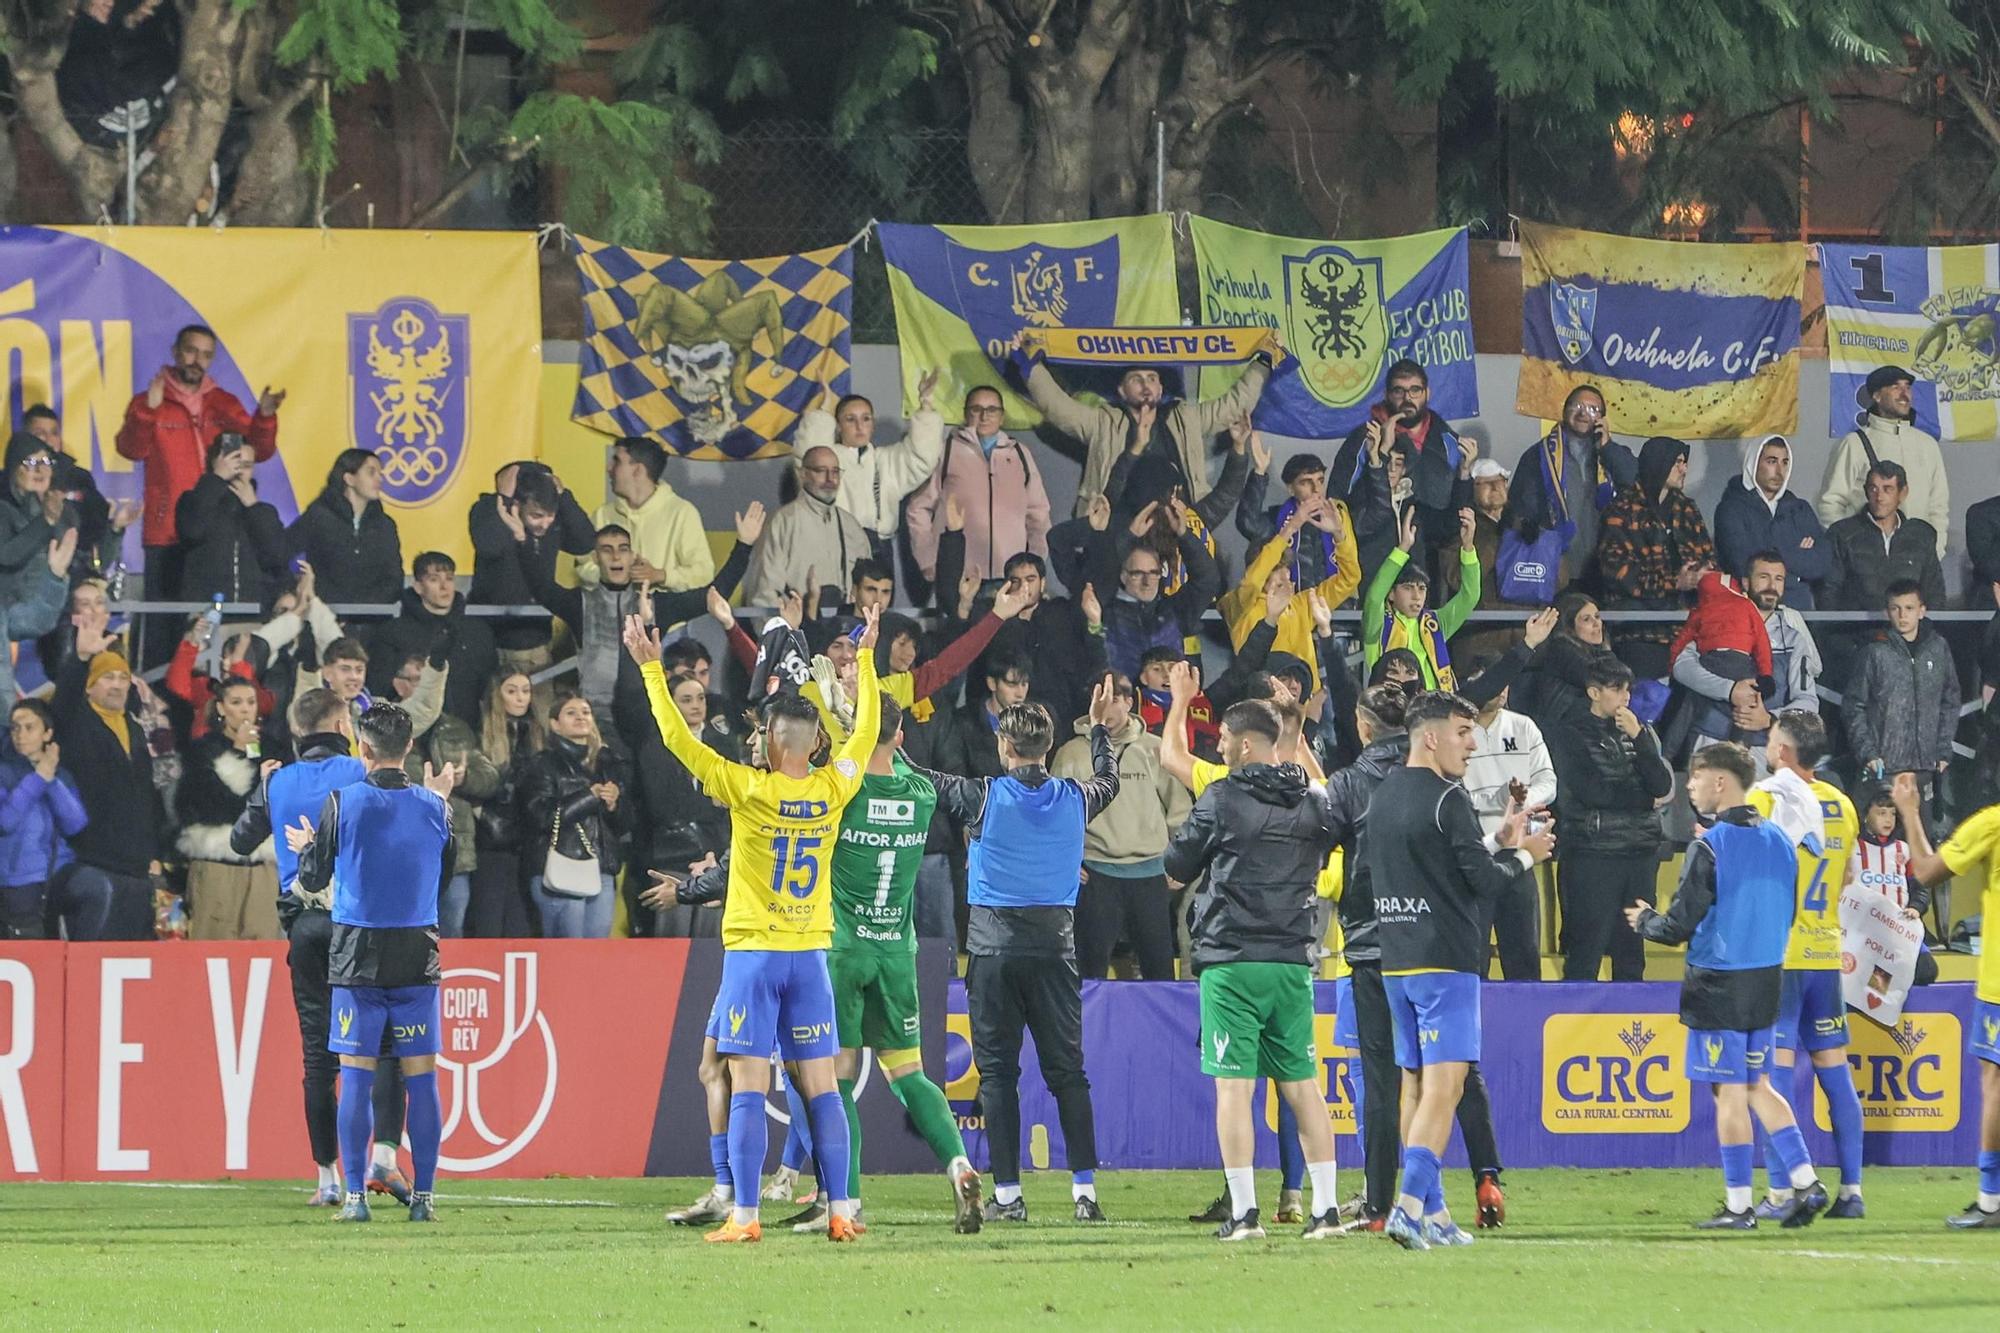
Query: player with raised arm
x=386, y=848
x=1428, y=865
x=778, y=923
x=1733, y=910
x=1022, y=871
x=1973, y=845
x=874, y=959
x=1812, y=1014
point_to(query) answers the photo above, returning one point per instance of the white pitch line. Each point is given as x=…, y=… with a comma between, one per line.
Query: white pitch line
x=275, y=1188
x=1869, y=1255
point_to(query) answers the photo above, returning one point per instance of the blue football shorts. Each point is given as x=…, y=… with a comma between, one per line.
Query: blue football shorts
x=1435, y=1016
x=1721, y=1056
x=775, y=999
x=1812, y=1015
x=1984, y=1043
x=361, y=1014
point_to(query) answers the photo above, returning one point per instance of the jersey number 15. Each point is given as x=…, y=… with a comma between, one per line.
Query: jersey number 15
x=794, y=867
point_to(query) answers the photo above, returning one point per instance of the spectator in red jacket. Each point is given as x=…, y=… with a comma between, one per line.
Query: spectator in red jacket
x=169, y=428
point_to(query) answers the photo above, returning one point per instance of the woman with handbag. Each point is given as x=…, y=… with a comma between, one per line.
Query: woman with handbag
x=682, y=824
x=572, y=796
x=512, y=731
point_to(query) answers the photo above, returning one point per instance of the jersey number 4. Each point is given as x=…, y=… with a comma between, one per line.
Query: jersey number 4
x=1815, y=899
x=794, y=867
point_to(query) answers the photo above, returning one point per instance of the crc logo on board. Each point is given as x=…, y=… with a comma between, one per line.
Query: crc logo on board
x=498, y=1063
x=1614, y=1074
x=1908, y=1076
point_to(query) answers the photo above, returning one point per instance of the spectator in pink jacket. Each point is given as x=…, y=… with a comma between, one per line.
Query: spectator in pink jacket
x=998, y=484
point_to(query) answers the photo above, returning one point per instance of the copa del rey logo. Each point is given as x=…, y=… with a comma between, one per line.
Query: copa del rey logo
x=488, y=1019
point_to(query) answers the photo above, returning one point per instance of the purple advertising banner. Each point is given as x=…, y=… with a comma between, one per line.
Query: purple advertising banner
x=1580, y=1075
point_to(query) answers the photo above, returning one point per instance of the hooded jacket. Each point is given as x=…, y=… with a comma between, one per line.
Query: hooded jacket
x=1006, y=505
x=1106, y=431
x=1650, y=532
x=1845, y=491
x=1243, y=607
x=25, y=533
x=451, y=741
x=666, y=533
x=355, y=560
x=498, y=578
x=1349, y=793
x=1747, y=521
x=415, y=632
x=1130, y=834
x=167, y=440
x=1902, y=702
x=37, y=820
x=232, y=548
x=1262, y=835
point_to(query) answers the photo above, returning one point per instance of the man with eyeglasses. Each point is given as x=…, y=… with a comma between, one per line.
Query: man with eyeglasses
x=811, y=543
x=1140, y=616
x=1436, y=459
x=1570, y=477
x=102, y=524
x=998, y=486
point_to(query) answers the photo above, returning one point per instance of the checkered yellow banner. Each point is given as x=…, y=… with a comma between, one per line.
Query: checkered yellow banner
x=714, y=358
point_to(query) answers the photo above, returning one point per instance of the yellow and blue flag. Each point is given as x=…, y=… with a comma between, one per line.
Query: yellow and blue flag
x=714, y=358
x=1692, y=340
x=1935, y=312
x=963, y=293
x=407, y=344
x=1347, y=310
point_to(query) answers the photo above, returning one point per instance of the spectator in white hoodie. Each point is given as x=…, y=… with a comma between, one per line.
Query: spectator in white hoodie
x=1886, y=430
x=874, y=478
x=1511, y=750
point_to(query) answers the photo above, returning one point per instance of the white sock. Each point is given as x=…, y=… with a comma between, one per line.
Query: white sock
x=1242, y=1189
x=1082, y=1191
x=1803, y=1176
x=744, y=1216
x=1989, y=1203
x=1410, y=1204
x=385, y=1154
x=1325, y=1200
x=848, y=1208
x=1737, y=1197
x=1780, y=1196
x=327, y=1175
x=1006, y=1194
x=1850, y=1191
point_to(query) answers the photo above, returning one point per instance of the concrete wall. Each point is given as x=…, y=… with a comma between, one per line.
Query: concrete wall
x=721, y=488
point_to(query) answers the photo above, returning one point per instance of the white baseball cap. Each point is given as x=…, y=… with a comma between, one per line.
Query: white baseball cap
x=1489, y=467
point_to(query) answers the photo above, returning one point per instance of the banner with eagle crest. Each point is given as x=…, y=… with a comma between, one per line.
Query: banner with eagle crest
x=1348, y=310
x=714, y=358
x=963, y=294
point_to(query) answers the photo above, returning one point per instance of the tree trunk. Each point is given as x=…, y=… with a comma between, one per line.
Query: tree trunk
x=994, y=147
x=172, y=186
x=1203, y=99
x=1062, y=91
x=94, y=174
x=1123, y=182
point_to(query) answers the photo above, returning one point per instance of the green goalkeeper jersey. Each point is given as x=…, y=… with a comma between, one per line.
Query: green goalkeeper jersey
x=875, y=862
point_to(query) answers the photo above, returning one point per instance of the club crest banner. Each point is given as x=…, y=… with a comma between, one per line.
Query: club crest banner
x=421, y=346
x=1934, y=312
x=963, y=293
x=1692, y=340
x=1346, y=310
x=714, y=358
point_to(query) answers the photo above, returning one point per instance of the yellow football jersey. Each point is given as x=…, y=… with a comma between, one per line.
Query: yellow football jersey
x=785, y=828
x=1815, y=941
x=1975, y=844
x=1207, y=774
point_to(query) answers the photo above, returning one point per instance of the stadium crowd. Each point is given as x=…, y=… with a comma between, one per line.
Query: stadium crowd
x=125, y=806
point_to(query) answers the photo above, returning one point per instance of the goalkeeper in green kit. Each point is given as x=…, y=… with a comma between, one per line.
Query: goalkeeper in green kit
x=874, y=958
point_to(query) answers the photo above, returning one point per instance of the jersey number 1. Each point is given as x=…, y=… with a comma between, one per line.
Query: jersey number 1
x=885, y=870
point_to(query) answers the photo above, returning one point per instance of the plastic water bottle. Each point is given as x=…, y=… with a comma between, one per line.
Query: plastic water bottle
x=114, y=581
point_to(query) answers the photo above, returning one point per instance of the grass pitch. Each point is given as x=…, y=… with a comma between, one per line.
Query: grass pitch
x=1593, y=1250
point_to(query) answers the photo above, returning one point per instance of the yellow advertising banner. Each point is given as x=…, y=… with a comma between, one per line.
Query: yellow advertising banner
x=424, y=347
